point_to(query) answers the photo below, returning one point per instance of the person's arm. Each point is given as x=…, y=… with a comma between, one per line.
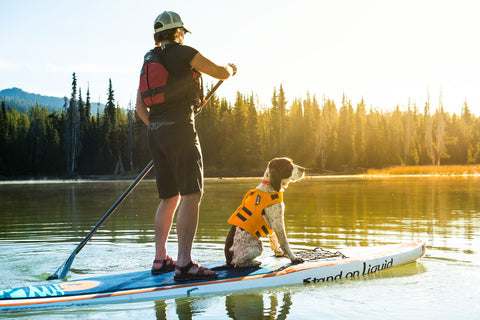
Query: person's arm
x=142, y=109
x=203, y=65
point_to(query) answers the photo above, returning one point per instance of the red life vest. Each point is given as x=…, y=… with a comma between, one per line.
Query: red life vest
x=158, y=85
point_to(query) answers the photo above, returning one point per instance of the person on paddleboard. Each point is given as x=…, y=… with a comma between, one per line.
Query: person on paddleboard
x=169, y=91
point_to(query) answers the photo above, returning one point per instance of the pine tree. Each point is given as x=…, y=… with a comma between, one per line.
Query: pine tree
x=327, y=132
x=429, y=147
x=110, y=138
x=240, y=141
x=36, y=139
x=88, y=106
x=407, y=135
x=131, y=135
x=360, y=135
x=296, y=132
x=282, y=113
x=274, y=124
x=467, y=135
x=72, y=140
x=253, y=133
x=345, y=135
x=396, y=147
x=441, y=148
x=3, y=133
x=110, y=106
x=82, y=113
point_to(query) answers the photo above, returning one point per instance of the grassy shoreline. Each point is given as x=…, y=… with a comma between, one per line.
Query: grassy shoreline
x=411, y=171
x=449, y=170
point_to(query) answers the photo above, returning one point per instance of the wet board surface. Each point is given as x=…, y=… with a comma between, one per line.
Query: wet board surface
x=320, y=265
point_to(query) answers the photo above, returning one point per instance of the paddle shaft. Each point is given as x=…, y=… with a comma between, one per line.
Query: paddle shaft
x=115, y=205
x=211, y=92
x=65, y=267
x=198, y=108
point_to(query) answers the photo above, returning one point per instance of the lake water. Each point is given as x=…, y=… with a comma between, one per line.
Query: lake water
x=41, y=224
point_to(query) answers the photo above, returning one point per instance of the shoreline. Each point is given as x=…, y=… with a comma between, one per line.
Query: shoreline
x=390, y=172
x=310, y=177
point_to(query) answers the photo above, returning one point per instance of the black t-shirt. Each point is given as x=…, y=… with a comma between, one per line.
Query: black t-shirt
x=176, y=58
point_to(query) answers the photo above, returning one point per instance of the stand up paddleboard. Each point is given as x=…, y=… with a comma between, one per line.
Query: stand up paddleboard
x=274, y=272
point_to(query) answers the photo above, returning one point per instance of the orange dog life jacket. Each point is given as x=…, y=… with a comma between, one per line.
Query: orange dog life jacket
x=249, y=215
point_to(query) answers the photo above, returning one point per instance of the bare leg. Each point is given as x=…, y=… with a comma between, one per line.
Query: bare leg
x=163, y=224
x=187, y=221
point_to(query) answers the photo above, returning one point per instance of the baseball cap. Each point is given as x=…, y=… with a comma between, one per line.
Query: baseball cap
x=169, y=20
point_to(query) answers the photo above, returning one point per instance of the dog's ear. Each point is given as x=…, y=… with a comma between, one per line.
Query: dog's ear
x=279, y=168
x=275, y=180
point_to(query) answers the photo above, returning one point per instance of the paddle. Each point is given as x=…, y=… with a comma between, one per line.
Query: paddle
x=198, y=108
x=65, y=267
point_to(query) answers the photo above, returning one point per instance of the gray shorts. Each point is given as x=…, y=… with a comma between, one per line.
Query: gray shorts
x=177, y=158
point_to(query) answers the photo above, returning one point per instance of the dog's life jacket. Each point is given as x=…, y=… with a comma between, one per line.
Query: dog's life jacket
x=249, y=215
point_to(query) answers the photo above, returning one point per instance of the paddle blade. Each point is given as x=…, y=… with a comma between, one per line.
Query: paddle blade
x=63, y=269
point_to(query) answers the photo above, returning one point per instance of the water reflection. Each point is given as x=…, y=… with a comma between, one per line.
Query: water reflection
x=358, y=211
x=258, y=306
x=321, y=212
x=266, y=306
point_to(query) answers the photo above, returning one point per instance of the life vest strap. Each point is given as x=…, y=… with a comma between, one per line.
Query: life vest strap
x=152, y=92
x=245, y=209
x=274, y=196
x=241, y=217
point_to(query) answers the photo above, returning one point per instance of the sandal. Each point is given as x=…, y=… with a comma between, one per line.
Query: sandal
x=167, y=266
x=199, y=275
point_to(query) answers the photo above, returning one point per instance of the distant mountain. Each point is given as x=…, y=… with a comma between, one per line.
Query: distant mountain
x=22, y=100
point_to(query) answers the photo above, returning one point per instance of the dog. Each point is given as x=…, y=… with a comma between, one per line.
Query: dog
x=262, y=214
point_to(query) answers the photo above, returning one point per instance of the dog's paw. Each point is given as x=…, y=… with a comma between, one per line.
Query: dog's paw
x=297, y=260
x=248, y=264
x=279, y=254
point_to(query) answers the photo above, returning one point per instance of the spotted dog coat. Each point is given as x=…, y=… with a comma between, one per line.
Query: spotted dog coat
x=241, y=248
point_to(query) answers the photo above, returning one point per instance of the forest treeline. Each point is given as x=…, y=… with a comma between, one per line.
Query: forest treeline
x=238, y=138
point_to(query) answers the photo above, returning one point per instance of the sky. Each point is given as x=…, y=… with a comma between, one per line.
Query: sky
x=389, y=52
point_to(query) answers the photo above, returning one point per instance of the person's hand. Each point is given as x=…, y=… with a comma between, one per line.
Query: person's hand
x=234, y=68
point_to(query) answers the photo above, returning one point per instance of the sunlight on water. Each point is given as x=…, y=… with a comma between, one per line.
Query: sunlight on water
x=41, y=224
